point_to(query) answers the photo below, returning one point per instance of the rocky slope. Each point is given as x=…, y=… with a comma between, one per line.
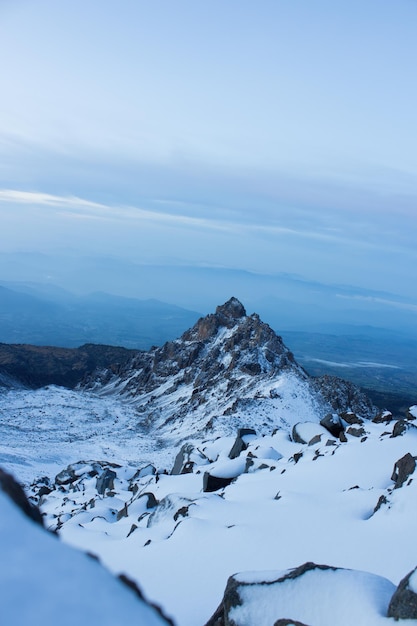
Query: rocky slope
x=227, y=371
x=37, y=366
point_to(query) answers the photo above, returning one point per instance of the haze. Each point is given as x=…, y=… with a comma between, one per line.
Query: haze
x=270, y=137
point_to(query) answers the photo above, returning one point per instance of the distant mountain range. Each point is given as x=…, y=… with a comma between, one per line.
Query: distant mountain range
x=35, y=314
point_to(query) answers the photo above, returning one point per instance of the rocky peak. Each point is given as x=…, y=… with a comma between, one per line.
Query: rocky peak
x=227, y=315
x=233, y=309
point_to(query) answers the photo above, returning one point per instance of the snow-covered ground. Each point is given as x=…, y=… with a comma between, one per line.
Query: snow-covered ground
x=280, y=513
x=44, y=430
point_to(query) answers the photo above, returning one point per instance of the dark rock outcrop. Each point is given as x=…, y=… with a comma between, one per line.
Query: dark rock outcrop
x=105, y=481
x=403, y=468
x=332, y=423
x=403, y=603
x=345, y=397
x=11, y=488
x=241, y=442
x=400, y=427
x=214, y=483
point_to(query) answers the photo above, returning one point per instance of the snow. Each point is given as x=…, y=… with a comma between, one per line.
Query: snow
x=288, y=513
x=276, y=515
x=319, y=598
x=43, y=582
x=413, y=410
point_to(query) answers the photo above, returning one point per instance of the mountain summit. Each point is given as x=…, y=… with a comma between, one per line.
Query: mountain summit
x=229, y=370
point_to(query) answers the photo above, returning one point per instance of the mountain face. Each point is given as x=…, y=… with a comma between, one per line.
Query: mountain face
x=228, y=370
x=37, y=366
x=311, y=501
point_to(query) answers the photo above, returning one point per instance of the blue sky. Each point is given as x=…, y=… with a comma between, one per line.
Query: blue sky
x=272, y=136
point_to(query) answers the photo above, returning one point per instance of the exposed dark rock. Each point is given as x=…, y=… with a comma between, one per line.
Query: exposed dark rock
x=355, y=432
x=11, y=488
x=411, y=413
x=400, y=427
x=332, y=423
x=384, y=417
x=381, y=501
x=403, y=603
x=403, y=468
x=214, y=483
x=350, y=418
x=241, y=443
x=133, y=586
x=105, y=481
x=152, y=501
x=344, y=395
x=66, y=476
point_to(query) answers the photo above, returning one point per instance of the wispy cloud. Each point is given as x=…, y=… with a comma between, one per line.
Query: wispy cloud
x=408, y=306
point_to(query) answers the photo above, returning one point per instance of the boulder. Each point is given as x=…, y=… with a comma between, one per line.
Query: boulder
x=351, y=418
x=308, y=432
x=105, y=481
x=403, y=603
x=244, y=436
x=384, y=417
x=400, y=427
x=214, y=483
x=311, y=593
x=186, y=459
x=332, y=423
x=403, y=468
x=355, y=432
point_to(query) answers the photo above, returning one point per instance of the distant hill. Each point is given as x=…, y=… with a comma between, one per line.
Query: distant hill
x=38, y=366
x=33, y=314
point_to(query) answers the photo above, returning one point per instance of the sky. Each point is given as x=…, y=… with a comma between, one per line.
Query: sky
x=270, y=136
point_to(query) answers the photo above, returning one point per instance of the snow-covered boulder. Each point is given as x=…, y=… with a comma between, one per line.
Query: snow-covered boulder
x=309, y=433
x=309, y=594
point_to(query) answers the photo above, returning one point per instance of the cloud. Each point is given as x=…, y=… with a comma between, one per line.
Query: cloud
x=385, y=301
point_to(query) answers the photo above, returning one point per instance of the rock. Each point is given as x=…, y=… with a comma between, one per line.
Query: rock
x=355, y=432
x=182, y=463
x=350, y=418
x=244, y=435
x=312, y=593
x=345, y=396
x=15, y=492
x=384, y=417
x=214, y=483
x=66, y=477
x=400, y=427
x=403, y=603
x=307, y=432
x=332, y=423
x=403, y=468
x=105, y=481
x=412, y=413
x=147, y=470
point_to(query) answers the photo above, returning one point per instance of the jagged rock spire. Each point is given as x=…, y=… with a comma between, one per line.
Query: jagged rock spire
x=232, y=309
